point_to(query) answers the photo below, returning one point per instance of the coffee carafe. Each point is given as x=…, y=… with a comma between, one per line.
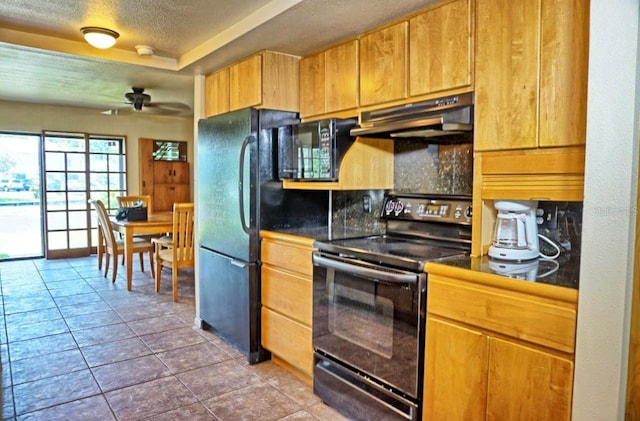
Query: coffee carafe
x=516, y=231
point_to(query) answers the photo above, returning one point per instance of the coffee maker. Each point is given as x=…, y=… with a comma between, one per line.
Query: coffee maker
x=516, y=231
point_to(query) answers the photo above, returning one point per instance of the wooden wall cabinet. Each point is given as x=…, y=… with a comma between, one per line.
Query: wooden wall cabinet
x=287, y=300
x=329, y=81
x=530, y=83
x=167, y=182
x=495, y=352
x=383, y=64
x=216, y=88
x=441, y=48
x=263, y=80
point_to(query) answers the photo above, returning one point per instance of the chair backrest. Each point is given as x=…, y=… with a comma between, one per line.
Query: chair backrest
x=128, y=201
x=104, y=223
x=183, y=247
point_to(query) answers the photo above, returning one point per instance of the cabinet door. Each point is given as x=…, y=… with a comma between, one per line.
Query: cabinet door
x=527, y=384
x=383, y=65
x=341, y=77
x=563, y=72
x=180, y=171
x=145, y=170
x=288, y=340
x=216, y=96
x=312, y=85
x=245, y=81
x=163, y=172
x=440, y=46
x=507, y=35
x=165, y=195
x=455, y=383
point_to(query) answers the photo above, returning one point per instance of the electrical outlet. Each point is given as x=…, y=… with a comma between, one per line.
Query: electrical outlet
x=547, y=216
x=366, y=203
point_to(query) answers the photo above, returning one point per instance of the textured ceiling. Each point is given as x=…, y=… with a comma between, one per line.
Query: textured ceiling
x=44, y=59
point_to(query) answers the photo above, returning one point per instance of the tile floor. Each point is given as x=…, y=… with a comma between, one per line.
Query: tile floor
x=74, y=346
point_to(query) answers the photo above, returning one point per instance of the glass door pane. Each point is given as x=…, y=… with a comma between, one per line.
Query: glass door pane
x=78, y=167
x=20, y=208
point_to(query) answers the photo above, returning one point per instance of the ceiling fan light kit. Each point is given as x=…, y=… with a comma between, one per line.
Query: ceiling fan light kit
x=99, y=37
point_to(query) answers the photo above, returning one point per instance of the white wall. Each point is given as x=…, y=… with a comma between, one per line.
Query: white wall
x=23, y=117
x=609, y=212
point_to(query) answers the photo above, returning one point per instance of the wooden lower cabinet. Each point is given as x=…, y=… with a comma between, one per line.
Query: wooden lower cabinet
x=455, y=383
x=287, y=299
x=494, y=354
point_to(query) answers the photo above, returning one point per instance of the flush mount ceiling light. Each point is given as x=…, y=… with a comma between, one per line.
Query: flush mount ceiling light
x=99, y=37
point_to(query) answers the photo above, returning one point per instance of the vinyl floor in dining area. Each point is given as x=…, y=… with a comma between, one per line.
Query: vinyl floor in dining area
x=76, y=346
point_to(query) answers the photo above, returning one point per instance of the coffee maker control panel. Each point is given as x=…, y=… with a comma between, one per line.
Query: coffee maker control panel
x=452, y=209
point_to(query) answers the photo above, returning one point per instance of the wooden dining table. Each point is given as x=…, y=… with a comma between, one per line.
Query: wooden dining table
x=156, y=223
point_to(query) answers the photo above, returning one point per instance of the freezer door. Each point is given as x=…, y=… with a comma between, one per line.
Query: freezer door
x=230, y=302
x=227, y=153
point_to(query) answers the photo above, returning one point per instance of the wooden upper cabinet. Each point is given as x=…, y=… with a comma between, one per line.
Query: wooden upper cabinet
x=547, y=43
x=383, y=65
x=245, y=79
x=441, y=48
x=341, y=77
x=506, y=75
x=312, y=85
x=263, y=80
x=216, y=87
x=563, y=72
x=329, y=80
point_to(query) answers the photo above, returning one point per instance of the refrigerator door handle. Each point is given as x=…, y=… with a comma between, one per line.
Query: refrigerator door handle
x=245, y=143
x=239, y=263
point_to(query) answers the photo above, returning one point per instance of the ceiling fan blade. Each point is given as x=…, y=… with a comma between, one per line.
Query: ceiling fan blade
x=178, y=106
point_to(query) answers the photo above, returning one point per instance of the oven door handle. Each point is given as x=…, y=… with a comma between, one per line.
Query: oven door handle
x=400, y=278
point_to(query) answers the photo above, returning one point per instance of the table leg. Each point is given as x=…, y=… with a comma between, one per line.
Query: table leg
x=128, y=251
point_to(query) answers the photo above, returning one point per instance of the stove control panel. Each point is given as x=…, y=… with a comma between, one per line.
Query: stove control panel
x=420, y=208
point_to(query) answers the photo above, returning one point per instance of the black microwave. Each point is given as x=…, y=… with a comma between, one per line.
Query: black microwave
x=312, y=151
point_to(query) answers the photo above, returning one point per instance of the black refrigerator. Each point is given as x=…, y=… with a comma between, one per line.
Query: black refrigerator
x=238, y=195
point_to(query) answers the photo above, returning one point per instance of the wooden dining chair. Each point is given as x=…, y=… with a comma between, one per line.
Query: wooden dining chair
x=129, y=201
x=114, y=247
x=178, y=251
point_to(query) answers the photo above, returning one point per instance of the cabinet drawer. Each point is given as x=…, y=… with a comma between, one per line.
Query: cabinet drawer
x=537, y=320
x=287, y=256
x=287, y=293
x=287, y=339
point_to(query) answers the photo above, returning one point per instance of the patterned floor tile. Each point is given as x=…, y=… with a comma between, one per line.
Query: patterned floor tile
x=148, y=399
x=254, y=402
x=129, y=372
x=52, y=391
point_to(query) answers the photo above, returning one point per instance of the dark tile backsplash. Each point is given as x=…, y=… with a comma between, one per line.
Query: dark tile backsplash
x=429, y=168
x=420, y=167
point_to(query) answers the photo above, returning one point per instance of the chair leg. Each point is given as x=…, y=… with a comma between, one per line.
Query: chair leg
x=158, y=273
x=153, y=272
x=115, y=268
x=174, y=280
x=141, y=254
x=106, y=263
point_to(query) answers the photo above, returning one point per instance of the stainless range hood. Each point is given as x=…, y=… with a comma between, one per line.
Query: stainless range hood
x=426, y=119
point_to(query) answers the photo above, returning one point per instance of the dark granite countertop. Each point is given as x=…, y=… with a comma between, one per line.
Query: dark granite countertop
x=563, y=272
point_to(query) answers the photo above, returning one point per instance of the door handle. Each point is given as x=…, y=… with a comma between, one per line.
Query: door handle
x=245, y=144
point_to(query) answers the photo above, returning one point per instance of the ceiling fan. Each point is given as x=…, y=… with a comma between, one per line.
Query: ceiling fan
x=138, y=101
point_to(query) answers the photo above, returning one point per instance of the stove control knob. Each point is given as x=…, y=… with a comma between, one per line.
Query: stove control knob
x=388, y=207
x=468, y=212
x=398, y=207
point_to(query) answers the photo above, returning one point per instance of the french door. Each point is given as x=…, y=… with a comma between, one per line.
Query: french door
x=77, y=167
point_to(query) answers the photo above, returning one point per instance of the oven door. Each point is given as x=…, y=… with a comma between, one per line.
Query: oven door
x=370, y=318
